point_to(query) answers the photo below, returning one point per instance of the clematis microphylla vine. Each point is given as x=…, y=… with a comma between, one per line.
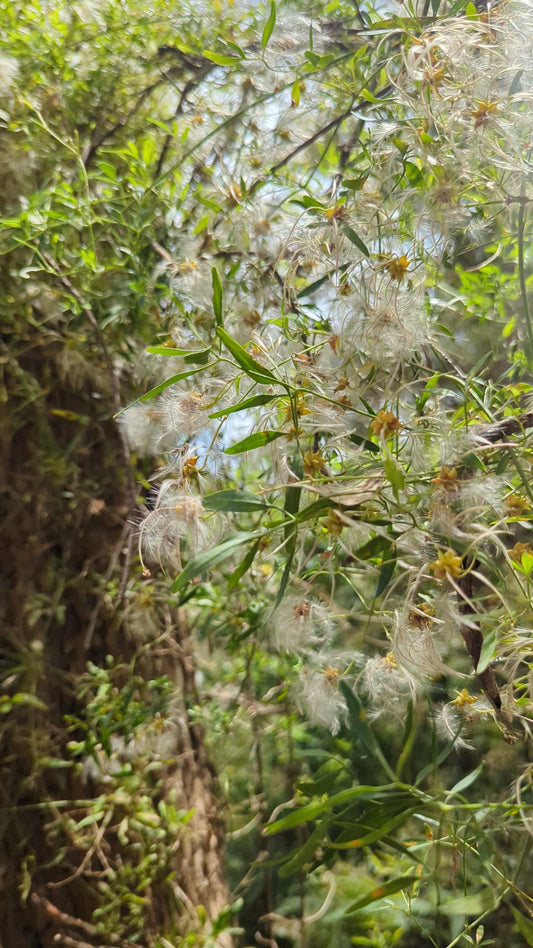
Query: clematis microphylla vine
x=447, y=564
x=339, y=298
x=178, y=518
x=300, y=623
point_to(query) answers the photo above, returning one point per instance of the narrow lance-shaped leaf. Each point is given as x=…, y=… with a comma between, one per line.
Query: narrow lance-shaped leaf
x=170, y=351
x=490, y=640
x=254, y=369
x=362, y=729
x=199, y=356
x=381, y=891
x=217, y=296
x=312, y=810
x=386, y=570
x=220, y=59
x=355, y=240
x=466, y=781
x=171, y=381
x=244, y=565
x=269, y=26
x=483, y=901
x=379, y=833
x=234, y=500
x=255, y=401
x=206, y=561
x=290, y=549
x=296, y=818
x=256, y=440
x=524, y=925
x=306, y=853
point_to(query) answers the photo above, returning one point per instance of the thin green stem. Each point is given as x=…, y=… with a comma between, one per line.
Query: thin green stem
x=522, y=279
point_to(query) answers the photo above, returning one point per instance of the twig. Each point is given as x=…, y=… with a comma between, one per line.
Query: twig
x=191, y=84
x=62, y=939
x=93, y=146
x=88, y=855
x=473, y=638
x=507, y=426
x=61, y=918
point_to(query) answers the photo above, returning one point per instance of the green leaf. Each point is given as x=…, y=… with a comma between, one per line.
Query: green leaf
x=244, y=565
x=296, y=818
x=313, y=58
x=235, y=500
x=291, y=506
x=385, y=572
x=316, y=284
x=319, y=62
x=516, y=85
x=435, y=764
x=361, y=729
x=524, y=925
x=378, y=833
x=376, y=546
x=254, y=402
x=290, y=549
x=269, y=26
x=257, y=440
x=413, y=174
x=171, y=381
x=191, y=355
x=254, y=369
x=355, y=184
x=483, y=901
x=352, y=236
x=364, y=442
x=466, y=781
x=21, y=698
x=394, y=474
x=293, y=496
x=306, y=853
x=310, y=203
x=206, y=561
x=200, y=356
x=488, y=648
x=237, y=49
x=217, y=296
x=295, y=93
x=219, y=59
x=312, y=810
x=381, y=891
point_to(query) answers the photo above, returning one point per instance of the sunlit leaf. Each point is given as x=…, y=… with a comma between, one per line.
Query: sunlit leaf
x=257, y=440
x=269, y=26
x=254, y=401
x=254, y=369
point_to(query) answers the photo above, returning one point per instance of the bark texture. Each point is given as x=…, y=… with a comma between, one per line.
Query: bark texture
x=66, y=499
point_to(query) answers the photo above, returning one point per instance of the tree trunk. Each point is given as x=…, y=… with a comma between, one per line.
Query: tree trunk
x=64, y=881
